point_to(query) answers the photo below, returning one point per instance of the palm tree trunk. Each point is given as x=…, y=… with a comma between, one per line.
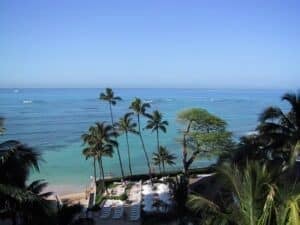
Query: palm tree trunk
x=102, y=170
x=163, y=164
x=118, y=150
x=157, y=139
x=144, y=148
x=95, y=178
x=120, y=162
x=111, y=115
x=128, y=151
x=100, y=175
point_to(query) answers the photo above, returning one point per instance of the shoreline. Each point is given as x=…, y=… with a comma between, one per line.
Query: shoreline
x=64, y=189
x=73, y=189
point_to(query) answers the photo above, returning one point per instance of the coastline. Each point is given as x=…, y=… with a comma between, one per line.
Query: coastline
x=70, y=189
x=65, y=189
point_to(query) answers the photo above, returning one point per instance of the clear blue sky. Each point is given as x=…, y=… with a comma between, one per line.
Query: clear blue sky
x=201, y=43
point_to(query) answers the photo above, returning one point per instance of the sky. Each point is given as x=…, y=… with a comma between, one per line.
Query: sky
x=180, y=44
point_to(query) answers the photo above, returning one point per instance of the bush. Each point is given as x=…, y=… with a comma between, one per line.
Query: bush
x=143, y=177
x=99, y=199
x=122, y=197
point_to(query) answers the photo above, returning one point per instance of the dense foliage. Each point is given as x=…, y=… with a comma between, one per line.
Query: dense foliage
x=27, y=203
x=258, y=182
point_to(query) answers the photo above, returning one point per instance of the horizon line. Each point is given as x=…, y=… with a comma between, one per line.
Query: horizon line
x=207, y=88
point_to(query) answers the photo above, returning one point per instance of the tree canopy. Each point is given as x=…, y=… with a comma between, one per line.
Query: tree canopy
x=203, y=133
x=201, y=120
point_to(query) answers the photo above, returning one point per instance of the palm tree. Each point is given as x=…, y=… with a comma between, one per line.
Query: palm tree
x=105, y=142
x=126, y=126
x=156, y=123
x=17, y=199
x=90, y=151
x=39, y=210
x=16, y=161
x=162, y=157
x=255, y=199
x=112, y=100
x=139, y=108
x=180, y=191
x=282, y=130
x=100, y=143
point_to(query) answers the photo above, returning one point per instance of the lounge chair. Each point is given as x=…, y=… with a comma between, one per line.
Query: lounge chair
x=118, y=213
x=106, y=210
x=135, y=212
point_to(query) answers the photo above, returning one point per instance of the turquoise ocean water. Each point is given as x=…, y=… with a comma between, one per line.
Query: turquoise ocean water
x=52, y=121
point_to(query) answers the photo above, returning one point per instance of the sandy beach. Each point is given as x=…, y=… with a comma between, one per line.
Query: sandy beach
x=65, y=189
x=72, y=194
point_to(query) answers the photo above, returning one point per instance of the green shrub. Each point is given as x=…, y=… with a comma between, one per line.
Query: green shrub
x=122, y=197
x=100, y=198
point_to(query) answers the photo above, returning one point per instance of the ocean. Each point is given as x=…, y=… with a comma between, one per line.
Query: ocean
x=53, y=120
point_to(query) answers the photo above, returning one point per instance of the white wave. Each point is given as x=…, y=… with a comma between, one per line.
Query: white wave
x=148, y=101
x=27, y=101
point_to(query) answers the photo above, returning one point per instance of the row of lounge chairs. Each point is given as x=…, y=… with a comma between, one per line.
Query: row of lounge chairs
x=118, y=212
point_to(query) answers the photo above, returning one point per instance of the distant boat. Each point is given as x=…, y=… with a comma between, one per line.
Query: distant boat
x=16, y=91
x=27, y=102
x=148, y=101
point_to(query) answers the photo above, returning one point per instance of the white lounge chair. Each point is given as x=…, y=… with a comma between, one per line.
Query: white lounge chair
x=106, y=210
x=135, y=212
x=118, y=212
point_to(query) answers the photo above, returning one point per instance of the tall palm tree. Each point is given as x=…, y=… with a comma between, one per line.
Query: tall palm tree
x=282, y=130
x=105, y=142
x=156, y=123
x=90, y=151
x=112, y=100
x=162, y=157
x=126, y=126
x=139, y=108
x=100, y=143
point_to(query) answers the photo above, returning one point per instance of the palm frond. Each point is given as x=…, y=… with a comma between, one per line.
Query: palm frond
x=197, y=203
x=270, y=113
